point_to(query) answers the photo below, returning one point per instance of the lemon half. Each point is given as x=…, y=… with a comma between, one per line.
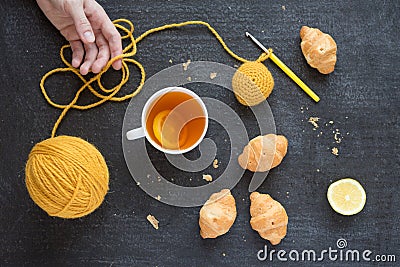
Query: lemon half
x=171, y=135
x=346, y=196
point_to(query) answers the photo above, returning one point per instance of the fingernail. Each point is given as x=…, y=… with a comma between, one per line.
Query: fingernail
x=89, y=36
x=75, y=63
x=117, y=65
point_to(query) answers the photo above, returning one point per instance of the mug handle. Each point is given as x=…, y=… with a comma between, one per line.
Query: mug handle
x=135, y=134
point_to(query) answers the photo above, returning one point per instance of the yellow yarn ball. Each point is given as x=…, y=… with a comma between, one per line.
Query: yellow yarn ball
x=252, y=83
x=66, y=176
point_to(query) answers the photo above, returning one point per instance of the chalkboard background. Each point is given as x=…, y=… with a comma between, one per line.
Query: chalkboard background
x=361, y=97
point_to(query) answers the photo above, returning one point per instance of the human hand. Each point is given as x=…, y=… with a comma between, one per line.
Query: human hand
x=89, y=30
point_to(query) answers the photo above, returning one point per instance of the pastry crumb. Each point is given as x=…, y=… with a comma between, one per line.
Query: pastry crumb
x=186, y=65
x=189, y=79
x=335, y=151
x=213, y=75
x=283, y=8
x=337, y=137
x=158, y=197
x=207, y=177
x=153, y=221
x=223, y=254
x=138, y=183
x=170, y=61
x=313, y=121
x=215, y=163
x=318, y=170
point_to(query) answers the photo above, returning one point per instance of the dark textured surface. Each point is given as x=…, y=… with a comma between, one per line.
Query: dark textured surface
x=361, y=97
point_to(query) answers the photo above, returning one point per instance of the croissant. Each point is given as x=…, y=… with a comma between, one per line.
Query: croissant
x=217, y=215
x=263, y=153
x=268, y=217
x=319, y=49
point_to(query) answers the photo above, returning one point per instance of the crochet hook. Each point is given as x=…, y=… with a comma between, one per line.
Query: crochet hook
x=285, y=69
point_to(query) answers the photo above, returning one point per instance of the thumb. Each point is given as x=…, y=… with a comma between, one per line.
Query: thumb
x=81, y=22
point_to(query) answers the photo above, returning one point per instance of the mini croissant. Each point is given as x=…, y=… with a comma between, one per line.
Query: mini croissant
x=268, y=217
x=263, y=153
x=319, y=49
x=217, y=215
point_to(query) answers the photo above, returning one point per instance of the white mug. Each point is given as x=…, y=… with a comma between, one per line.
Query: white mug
x=143, y=132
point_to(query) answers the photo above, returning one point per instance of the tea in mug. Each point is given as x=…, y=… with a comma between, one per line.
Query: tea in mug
x=176, y=120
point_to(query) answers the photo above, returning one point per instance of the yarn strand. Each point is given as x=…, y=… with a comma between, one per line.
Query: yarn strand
x=194, y=22
x=128, y=52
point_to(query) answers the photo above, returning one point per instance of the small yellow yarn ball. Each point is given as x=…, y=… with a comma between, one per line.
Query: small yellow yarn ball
x=252, y=83
x=66, y=176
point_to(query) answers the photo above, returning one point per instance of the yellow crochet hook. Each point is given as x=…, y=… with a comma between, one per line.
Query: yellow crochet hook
x=285, y=69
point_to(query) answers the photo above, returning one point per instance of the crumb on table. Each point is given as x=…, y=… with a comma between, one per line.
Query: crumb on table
x=313, y=121
x=207, y=177
x=153, y=221
x=215, y=163
x=337, y=136
x=186, y=65
x=335, y=151
x=213, y=75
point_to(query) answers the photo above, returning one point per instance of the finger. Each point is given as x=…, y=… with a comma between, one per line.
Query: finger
x=104, y=53
x=82, y=24
x=90, y=57
x=100, y=19
x=77, y=53
x=114, y=41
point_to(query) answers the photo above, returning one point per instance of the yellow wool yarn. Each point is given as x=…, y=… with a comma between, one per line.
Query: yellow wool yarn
x=252, y=83
x=66, y=176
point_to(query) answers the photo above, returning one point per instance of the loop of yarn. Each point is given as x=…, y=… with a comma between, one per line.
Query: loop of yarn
x=66, y=176
x=264, y=56
x=252, y=83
